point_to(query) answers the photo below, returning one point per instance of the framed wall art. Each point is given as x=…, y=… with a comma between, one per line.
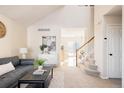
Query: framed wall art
x=50, y=42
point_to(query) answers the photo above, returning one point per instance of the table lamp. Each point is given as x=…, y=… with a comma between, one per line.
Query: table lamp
x=23, y=51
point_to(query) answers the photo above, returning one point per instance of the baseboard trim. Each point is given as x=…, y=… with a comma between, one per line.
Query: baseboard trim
x=103, y=77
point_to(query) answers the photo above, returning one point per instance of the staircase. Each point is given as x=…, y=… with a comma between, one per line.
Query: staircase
x=90, y=67
x=87, y=62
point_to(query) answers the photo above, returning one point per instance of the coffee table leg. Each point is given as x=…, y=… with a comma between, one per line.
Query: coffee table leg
x=18, y=84
x=52, y=73
x=43, y=85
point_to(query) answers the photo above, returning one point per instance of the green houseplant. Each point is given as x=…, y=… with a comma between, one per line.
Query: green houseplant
x=39, y=63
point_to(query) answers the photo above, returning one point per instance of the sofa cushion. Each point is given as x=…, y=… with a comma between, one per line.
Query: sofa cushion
x=12, y=77
x=26, y=61
x=14, y=60
x=5, y=68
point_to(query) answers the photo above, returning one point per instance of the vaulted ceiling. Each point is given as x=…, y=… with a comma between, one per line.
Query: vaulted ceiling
x=27, y=14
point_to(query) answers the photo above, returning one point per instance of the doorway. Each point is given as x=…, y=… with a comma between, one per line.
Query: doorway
x=114, y=51
x=71, y=39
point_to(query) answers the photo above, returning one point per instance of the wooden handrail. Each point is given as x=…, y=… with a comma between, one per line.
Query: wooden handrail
x=86, y=43
x=82, y=47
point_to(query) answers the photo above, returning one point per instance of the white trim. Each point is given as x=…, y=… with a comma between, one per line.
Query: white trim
x=103, y=77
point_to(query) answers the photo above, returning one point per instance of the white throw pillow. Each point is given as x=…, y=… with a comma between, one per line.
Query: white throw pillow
x=5, y=68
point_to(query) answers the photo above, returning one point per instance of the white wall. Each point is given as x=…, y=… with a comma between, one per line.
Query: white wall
x=35, y=39
x=15, y=38
x=113, y=19
x=90, y=32
x=66, y=17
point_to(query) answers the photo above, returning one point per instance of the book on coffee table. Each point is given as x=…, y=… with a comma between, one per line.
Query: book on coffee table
x=38, y=72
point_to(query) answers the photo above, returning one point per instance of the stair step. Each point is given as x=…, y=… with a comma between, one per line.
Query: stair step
x=92, y=61
x=91, y=72
x=93, y=66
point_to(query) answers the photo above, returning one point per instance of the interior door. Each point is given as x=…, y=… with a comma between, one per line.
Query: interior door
x=114, y=51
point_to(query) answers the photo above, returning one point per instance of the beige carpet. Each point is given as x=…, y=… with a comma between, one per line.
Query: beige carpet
x=72, y=77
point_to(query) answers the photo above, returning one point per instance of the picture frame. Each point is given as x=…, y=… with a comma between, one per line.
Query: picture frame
x=50, y=42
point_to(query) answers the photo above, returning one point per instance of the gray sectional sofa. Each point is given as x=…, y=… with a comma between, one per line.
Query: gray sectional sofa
x=22, y=66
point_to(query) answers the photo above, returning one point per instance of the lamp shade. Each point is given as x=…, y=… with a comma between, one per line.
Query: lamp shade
x=23, y=50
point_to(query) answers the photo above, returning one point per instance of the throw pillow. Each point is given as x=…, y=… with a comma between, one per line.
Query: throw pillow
x=5, y=68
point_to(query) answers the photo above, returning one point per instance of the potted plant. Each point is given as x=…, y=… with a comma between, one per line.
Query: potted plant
x=42, y=47
x=39, y=63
